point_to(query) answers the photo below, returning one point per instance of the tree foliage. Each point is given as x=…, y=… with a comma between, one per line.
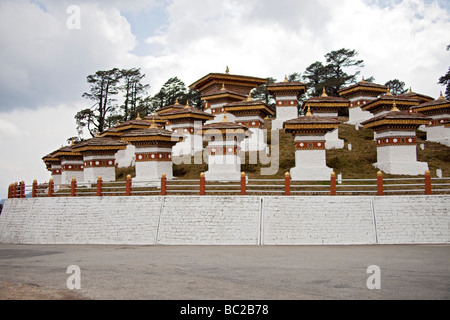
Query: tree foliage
x=445, y=80
x=396, y=87
x=133, y=89
x=103, y=88
x=340, y=69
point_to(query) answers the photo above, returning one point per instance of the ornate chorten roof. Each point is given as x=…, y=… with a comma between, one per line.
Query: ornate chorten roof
x=151, y=136
x=187, y=113
x=286, y=87
x=439, y=106
x=325, y=102
x=413, y=95
x=169, y=108
x=385, y=102
x=363, y=88
x=155, y=118
x=311, y=124
x=66, y=152
x=213, y=82
x=120, y=128
x=225, y=127
x=396, y=119
x=250, y=105
x=99, y=144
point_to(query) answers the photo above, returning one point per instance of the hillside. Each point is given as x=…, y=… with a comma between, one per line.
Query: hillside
x=353, y=164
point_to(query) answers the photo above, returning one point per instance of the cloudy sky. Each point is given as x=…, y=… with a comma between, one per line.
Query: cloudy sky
x=44, y=60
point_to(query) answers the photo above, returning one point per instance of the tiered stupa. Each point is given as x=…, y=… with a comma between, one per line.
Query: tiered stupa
x=359, y=94
x=72, y=165
x=153, y=155
x=396, y=141
x=418, y=96
x=383, y=104
x=251, y=113
x=224, y=146
x=125, y=158
x=219, y=89
x=286, y=95
x=99, y=158
x=328, y=106
x=310, y=155
x=53, y=165
x=438, y=128
x=186, y=121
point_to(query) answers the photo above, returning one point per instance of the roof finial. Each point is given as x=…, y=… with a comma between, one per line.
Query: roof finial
x=309, y=113
x=394, y=108
x=363, y=80
x=410, y=90
x=187, y=105
x=441, y=97
x=324, y=93
x=176, y=102
x=225, y=117
x=138, y=117
x=223, y=87
x=249, y=96
x=153, y=126
x=285, y=78
x=389, y=91
x=227, y=70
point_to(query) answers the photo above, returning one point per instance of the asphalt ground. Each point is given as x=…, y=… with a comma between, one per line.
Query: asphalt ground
x=411, y=272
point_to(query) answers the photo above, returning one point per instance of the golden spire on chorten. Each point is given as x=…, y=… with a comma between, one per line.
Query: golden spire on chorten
x=441, y=97
x=176, y=102
x=324, y=93
x=363, y=80
x=285, y=78
x=187, y=105
x=223, y=87
x=309, y=113
x=227, y=70
x=153, y=126
x=225, y=117
x=410, y=90
x=249, y=96
x=389, y=91
x=138, y=117
x=394, y=107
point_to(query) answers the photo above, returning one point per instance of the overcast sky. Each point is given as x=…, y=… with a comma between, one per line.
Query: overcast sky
x=44, y=63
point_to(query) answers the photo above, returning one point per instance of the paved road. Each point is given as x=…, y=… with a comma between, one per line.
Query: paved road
x=231, y=273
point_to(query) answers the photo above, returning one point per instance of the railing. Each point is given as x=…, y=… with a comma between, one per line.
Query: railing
x=379, y=186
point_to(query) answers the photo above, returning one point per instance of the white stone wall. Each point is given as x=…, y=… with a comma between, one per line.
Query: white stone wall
x=439, y=134
x=318, y=220
x=333, y=141
x=227, y=220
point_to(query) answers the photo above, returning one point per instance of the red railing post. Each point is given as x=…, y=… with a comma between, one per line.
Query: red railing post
x=10, y=191
x=34, y=189
x=99, y=186
x=128, y=186
x=163, y=184
x=287, y=184
x=243, y=184
x=333, y=184
x=73, y=188
x=16, y=190
x=380, y=185
x=202, y=184
x=51, y=186
x=22, y=189
x=428, y=190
